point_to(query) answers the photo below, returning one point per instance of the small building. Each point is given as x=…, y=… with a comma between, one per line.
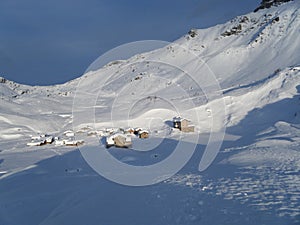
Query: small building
x=69, y=133
x=74, y=142
x=183, y=124
x=49, y=140
x=143, y=134
x=34, y=138
x=39, y=137
x=137, y=130
x=110, y=130
x=37, y=143
x=177, y=122
x=188, y=129
x=119, y=140
x=130, y=131
x=59, y=142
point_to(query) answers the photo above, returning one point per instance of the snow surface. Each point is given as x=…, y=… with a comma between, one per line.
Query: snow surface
x=255, y=179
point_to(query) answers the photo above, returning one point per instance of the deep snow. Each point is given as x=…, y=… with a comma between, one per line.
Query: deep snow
x=255, y=178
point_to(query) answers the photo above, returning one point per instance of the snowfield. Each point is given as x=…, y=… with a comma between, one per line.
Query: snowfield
x=255, y=178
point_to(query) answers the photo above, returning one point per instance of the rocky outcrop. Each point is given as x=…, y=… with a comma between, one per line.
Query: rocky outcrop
x=235, y=30
x=193, y=33
x=2, y=80
x=265, y=4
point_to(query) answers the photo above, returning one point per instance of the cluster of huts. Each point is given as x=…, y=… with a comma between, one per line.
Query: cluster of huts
x=69, y=140
x=40, y=140
x=114, y=137
x=123, y=138
x=44, y=139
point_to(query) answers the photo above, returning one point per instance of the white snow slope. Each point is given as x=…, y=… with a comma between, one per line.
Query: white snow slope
x=255, y=178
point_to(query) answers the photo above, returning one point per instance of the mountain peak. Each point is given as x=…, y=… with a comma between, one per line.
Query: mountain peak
x=265, y=4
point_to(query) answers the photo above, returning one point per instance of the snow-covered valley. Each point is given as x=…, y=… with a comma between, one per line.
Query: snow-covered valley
x=255, y=177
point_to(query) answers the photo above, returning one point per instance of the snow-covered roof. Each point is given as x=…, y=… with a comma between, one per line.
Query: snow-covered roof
x=70, y=134
x=110, y=139
x=180, y=119
x=73, y=142
x=68, y=131
x=112, y=136
x=59, y=142
x=36, y=143
x=35, y=137
x=143, y=131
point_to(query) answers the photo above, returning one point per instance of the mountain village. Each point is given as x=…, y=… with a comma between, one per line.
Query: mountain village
x=118, y=137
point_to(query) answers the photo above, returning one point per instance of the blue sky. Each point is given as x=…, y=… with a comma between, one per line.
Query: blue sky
x=50, y=42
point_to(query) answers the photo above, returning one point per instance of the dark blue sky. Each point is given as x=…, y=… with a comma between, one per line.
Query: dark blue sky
x=52, y=41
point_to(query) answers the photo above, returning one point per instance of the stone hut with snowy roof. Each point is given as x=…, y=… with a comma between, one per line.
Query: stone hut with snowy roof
x=143, y=134
x=183, y=124
x=119, y=140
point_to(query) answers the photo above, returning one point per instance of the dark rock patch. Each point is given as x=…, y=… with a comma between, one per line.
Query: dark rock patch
x=265, y=4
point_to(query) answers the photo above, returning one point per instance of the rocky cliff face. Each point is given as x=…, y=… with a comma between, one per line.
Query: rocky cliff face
x=268, y=3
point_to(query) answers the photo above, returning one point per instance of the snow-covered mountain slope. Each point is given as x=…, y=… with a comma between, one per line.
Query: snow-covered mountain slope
x=255, y=179
x=246, y=55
